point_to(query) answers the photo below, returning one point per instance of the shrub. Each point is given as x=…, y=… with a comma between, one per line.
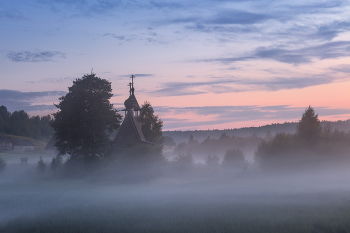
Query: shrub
x=142, y=154
x=41, y=165
x=183, y=161
x=168, y=141
x=212, y=160
x=234, y=158
x=181, y=148
x=56, y=162
x=139, y=163
x=284, y=151
x=2, y=164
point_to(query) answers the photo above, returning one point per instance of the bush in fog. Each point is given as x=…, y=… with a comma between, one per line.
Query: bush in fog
x=2, y=164
x=310, y=146
x=234, y=158
x=138, y=163
x=56, y=162
x=168, y=141
x=288, y=150
x=181, y=148
x=334, y=144
x=142, y=154
x=217, y=146
x=41, y=165
x=183, y=161
x=212, y=160
x=279, y=148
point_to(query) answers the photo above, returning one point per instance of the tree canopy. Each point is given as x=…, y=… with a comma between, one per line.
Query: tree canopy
x=85, y=118
x=151, y=124
x=19, y=123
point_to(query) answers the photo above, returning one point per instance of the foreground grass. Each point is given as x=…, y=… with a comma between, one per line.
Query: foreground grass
x=188, y=217
x=173, y=204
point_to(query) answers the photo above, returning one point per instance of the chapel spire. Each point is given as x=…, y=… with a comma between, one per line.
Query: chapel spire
x=131, y=103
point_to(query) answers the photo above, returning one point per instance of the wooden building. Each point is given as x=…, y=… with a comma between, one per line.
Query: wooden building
x=50, y=147
x=130, y=132
x=17, y=144
x=22, y=144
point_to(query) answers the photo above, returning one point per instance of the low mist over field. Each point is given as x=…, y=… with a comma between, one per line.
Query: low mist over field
x=278, y=183
x=195, y=198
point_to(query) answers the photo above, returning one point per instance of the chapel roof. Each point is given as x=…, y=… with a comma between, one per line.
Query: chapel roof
x=131, y=103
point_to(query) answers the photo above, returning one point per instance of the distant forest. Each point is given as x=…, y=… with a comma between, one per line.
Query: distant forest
x=261, y=131
x=20, y=124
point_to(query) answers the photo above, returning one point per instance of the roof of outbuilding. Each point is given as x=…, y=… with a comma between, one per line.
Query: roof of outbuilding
x=51, y=144
x=16, y=141
x=21, y=142
x=5, y=139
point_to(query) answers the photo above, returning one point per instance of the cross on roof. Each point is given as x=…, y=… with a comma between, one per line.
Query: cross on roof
x=132, y=89
x=129, y=85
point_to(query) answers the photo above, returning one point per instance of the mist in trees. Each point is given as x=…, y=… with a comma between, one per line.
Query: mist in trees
x=141, y=190
x=217, y=146
x=311, y=146
x=168, y=141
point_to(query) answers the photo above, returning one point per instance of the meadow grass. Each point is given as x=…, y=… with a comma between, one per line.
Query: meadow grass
x=170, y=204
x=188, y=217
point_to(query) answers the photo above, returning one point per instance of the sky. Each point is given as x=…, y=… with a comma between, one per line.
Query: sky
x=202, y=64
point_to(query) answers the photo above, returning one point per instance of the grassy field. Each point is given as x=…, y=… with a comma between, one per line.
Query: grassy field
x=187, y=202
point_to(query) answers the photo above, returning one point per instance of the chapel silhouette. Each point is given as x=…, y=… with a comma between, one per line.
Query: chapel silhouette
x=130, y=131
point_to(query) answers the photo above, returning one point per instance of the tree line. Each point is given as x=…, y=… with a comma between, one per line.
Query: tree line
x=260, y=131
x=85, y=118
x=19, y=123
x=217, y=146
x=311, y=145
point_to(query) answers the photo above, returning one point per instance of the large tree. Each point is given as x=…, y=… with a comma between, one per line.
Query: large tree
x=309, y=129
x=20, y=123
x=84, y=119
x=4, y=120
x=151, y=124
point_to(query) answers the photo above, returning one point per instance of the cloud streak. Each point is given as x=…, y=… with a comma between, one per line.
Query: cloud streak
x=18, y=100
x=186, y=88
x=304, y=55
x=52, y=80
x=10, y=15
x=121, y=37
x=342, y=69
x=86, y=8
x=35, y=56
x=241, y=85
x=136, y=75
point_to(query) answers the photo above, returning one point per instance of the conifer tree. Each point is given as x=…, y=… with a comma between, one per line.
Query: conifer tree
x=309, y=128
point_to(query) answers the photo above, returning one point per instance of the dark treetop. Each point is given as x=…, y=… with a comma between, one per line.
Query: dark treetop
x=85, y=118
